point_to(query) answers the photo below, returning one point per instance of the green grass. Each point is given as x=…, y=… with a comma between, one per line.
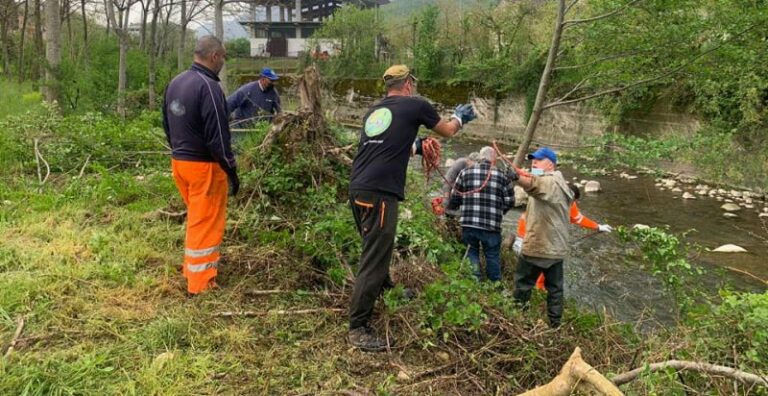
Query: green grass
x=18, y=99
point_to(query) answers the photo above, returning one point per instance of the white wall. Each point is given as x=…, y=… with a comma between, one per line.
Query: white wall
x=258, y=47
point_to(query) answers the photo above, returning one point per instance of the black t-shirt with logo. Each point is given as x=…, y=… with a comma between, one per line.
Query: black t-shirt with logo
x=389, y=129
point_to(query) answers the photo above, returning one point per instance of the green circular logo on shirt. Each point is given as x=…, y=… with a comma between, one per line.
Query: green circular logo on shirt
x=378, y=122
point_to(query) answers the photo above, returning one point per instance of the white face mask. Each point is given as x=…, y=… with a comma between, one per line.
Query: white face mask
x=537, y=171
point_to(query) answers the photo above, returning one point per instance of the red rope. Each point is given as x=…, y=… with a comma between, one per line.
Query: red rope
x=512, y=164
x=430, y=161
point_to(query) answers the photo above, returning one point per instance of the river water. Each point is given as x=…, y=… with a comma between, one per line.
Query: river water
x=602, y=274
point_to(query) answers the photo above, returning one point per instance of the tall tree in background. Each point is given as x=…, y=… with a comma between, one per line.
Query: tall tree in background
x=354, y=30
x=38, y=40
x=190, y=9
x=120, y=26
x=20, y=69
x=427, y=54
x=218, y=31
x=7, y=17
x=52, y=50
x=84, y=15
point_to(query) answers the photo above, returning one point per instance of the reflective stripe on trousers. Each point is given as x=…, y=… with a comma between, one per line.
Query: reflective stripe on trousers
x=202, y=267
x=196, y=253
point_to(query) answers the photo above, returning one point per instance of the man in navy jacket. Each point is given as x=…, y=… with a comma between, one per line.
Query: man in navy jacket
x=256, y=100
x=196, y=125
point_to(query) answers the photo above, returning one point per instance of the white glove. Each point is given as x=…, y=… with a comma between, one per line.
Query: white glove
x=517, y=246
x=604, y=228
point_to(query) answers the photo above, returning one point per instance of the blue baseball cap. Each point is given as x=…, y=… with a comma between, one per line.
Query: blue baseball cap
x=268, y=73
x=543, y=152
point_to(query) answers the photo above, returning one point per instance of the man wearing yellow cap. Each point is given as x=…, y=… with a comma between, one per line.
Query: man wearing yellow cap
x=387, y=141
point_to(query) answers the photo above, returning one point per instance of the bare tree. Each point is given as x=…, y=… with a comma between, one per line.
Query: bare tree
x=218, y=25
x=85, y=29
x=52, y=50
x=157, y=40
x=145, y=6
x=7, y=16
x=38, y=40
x=21, y=72
x=120, y=25
x=190, y=9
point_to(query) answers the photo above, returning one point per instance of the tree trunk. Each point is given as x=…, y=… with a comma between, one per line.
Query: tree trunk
x=181, y=55
x=122, y=77
x=68, y=20
x=546, y=76
x=22, y=72
x=144, y=12
x=4, y=43
x=38, y=42
x=85, y=31
x=219, y=31
x=109, y=20
x=52, y=50
x=121, y=29
x=153, y=55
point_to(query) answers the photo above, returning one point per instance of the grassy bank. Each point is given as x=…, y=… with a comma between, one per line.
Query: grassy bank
x=90, y=260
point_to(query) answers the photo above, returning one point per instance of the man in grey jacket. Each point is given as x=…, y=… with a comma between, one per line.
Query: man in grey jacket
x=546, y=234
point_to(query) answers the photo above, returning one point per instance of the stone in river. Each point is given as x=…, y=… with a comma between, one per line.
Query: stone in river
x=592, y=186
x=730, y=248
x=730, y=207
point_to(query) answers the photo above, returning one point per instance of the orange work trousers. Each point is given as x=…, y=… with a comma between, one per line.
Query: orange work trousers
x=203, y=186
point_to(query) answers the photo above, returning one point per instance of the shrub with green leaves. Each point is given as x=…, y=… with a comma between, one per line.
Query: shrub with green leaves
x=666, y=255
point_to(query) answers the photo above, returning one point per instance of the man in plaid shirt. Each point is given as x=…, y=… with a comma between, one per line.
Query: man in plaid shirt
x=483, y=205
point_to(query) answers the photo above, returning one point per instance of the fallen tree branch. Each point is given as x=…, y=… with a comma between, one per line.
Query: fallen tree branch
x=744, y=377
x=16, y=335
x=82, y=170
x=748, y=274
x=249, y=314
x=294, y=292
x=576, y=373
x=38, y=158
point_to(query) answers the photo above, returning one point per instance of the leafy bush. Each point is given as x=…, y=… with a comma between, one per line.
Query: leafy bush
x=667, y=256
x=735, y=331
x=238, y=48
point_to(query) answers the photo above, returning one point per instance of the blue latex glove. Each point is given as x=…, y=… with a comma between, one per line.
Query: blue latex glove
x=464, y=113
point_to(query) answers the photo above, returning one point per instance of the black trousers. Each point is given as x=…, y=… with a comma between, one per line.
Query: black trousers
x=526, y=275
x=376, y=220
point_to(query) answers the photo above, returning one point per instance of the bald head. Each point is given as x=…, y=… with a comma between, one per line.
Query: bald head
x=207, y=46
x=210, y=52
